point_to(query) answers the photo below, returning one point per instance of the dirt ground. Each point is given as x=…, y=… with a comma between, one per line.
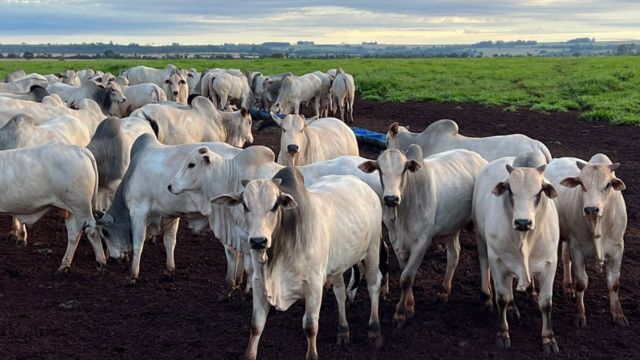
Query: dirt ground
x=91, y=315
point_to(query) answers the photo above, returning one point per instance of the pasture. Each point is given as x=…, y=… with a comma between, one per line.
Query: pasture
x=600, y=88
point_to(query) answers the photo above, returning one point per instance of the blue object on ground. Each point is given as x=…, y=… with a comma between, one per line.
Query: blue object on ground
x=370, y=137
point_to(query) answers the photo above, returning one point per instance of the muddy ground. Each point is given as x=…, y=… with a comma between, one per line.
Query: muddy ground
x=91, y=315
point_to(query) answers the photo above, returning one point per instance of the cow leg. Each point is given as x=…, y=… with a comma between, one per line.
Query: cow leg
x=567, y=282
x=316, y=105
x=248, y=269
x=223, y=101
x=374, y=280
x=18, y=232
x=258, y=319
x=485, y=273
x=169, y=240
x=342, y=113
x=296, y=108
x=313, y=300
x=545, y=294
x=613, y=283
x=581, y=285
x=230, y=278
x=453, y=256
x=139, y=234
x=339, y=290
x=73, y=237
x=504, y=295
x=350, y=111
x=405, y=308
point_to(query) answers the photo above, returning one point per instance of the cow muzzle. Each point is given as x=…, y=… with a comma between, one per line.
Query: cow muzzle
x=293, y=149
x=522, y=224
x=391, y=200
x=172, y=189
x=175, y=93
x=258, y=243
x=591, y=211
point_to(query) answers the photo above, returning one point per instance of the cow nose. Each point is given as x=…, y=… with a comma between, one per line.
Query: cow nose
x=175, y=93
x=124, y=100
x=522, y=224
x=292, y=148
x=591, y=211
x=391, y=200
x=258, y=243
x=169, y=188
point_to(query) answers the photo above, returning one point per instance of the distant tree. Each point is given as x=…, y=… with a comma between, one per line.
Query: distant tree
x=28, y=55
x=626, y=49
x=12, y=56
x=109, y=54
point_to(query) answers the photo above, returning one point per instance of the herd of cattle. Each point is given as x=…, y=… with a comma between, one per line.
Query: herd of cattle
x=127, y=157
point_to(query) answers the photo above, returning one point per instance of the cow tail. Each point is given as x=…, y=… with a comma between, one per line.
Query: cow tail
x=355, y=277
x=383, y=265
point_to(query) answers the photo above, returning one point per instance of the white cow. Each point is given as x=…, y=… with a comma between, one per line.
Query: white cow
x=424, y=200
x=36, y=93
x=51, y=107
x=325, y=97
x=296, y=90
x=517, y=233
x=61, y=177
x=107, y=96
x=270, y=90
x=343, y=93
x=593, y=220
x=171, y=80
x=23, y=84
x=301, y=238
x=443, y=135
x=22, y=131
x=225, y=86
x=323, y=139
x=142, y=205
x=111, y=147
x=138, y=96
x=199, y=123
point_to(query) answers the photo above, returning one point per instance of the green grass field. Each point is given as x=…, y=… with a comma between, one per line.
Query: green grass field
x=601, y=88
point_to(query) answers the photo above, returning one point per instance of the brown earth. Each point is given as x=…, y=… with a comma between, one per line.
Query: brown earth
x=91, y=315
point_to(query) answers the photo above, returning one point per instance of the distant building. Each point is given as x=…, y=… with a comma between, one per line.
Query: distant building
x=305, y=43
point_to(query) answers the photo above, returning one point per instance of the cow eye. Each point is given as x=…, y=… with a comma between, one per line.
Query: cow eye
x=191, y=165
x=182, y=82
x=104, y=232
x=246, y=209
x=275, y=207
x=608, y=187
x=167, y=81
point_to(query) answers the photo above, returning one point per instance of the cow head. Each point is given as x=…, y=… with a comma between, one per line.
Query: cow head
x=115, y=92
x=70, y=77
x=524, y=188
x=598, y=183
x=116, y=233
x=262, y=202
x=175, y=85
x=293, y=139
x=393, y=166
x=188, y=177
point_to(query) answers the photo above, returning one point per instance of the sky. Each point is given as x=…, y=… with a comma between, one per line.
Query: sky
x=326, y=22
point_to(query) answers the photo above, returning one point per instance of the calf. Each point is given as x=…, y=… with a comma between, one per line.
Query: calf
x=593, y=220
x=301, y=238
x=517, y=234
x=425, y=199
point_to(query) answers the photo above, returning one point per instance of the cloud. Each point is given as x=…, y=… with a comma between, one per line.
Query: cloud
x=327, y=21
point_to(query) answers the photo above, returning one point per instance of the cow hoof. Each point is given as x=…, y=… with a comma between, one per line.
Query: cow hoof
x=581, y=323
x=513, y=313
x=246, y=356
x=222, y=297
x=399, y=321
x=132, y=281
x=503, y=340
x=343, y=339
x=549, y=346
x=63, y=270
x=375, y=339
x=101, y=267
x=621, y=321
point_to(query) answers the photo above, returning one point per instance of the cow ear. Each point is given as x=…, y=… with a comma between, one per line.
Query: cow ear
x=618, y=184
x=276, y=119
x=509, y=168
x=580, y=164
x=228, y=199
x=614, y=167
x=500, y=188
x=244, y=182
x=571, y=182
x=277, y=181
x=368, y=166
x=393, y=129
x=549, y=190
x=203, y=150
x=412, y=165
x=287, y=201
